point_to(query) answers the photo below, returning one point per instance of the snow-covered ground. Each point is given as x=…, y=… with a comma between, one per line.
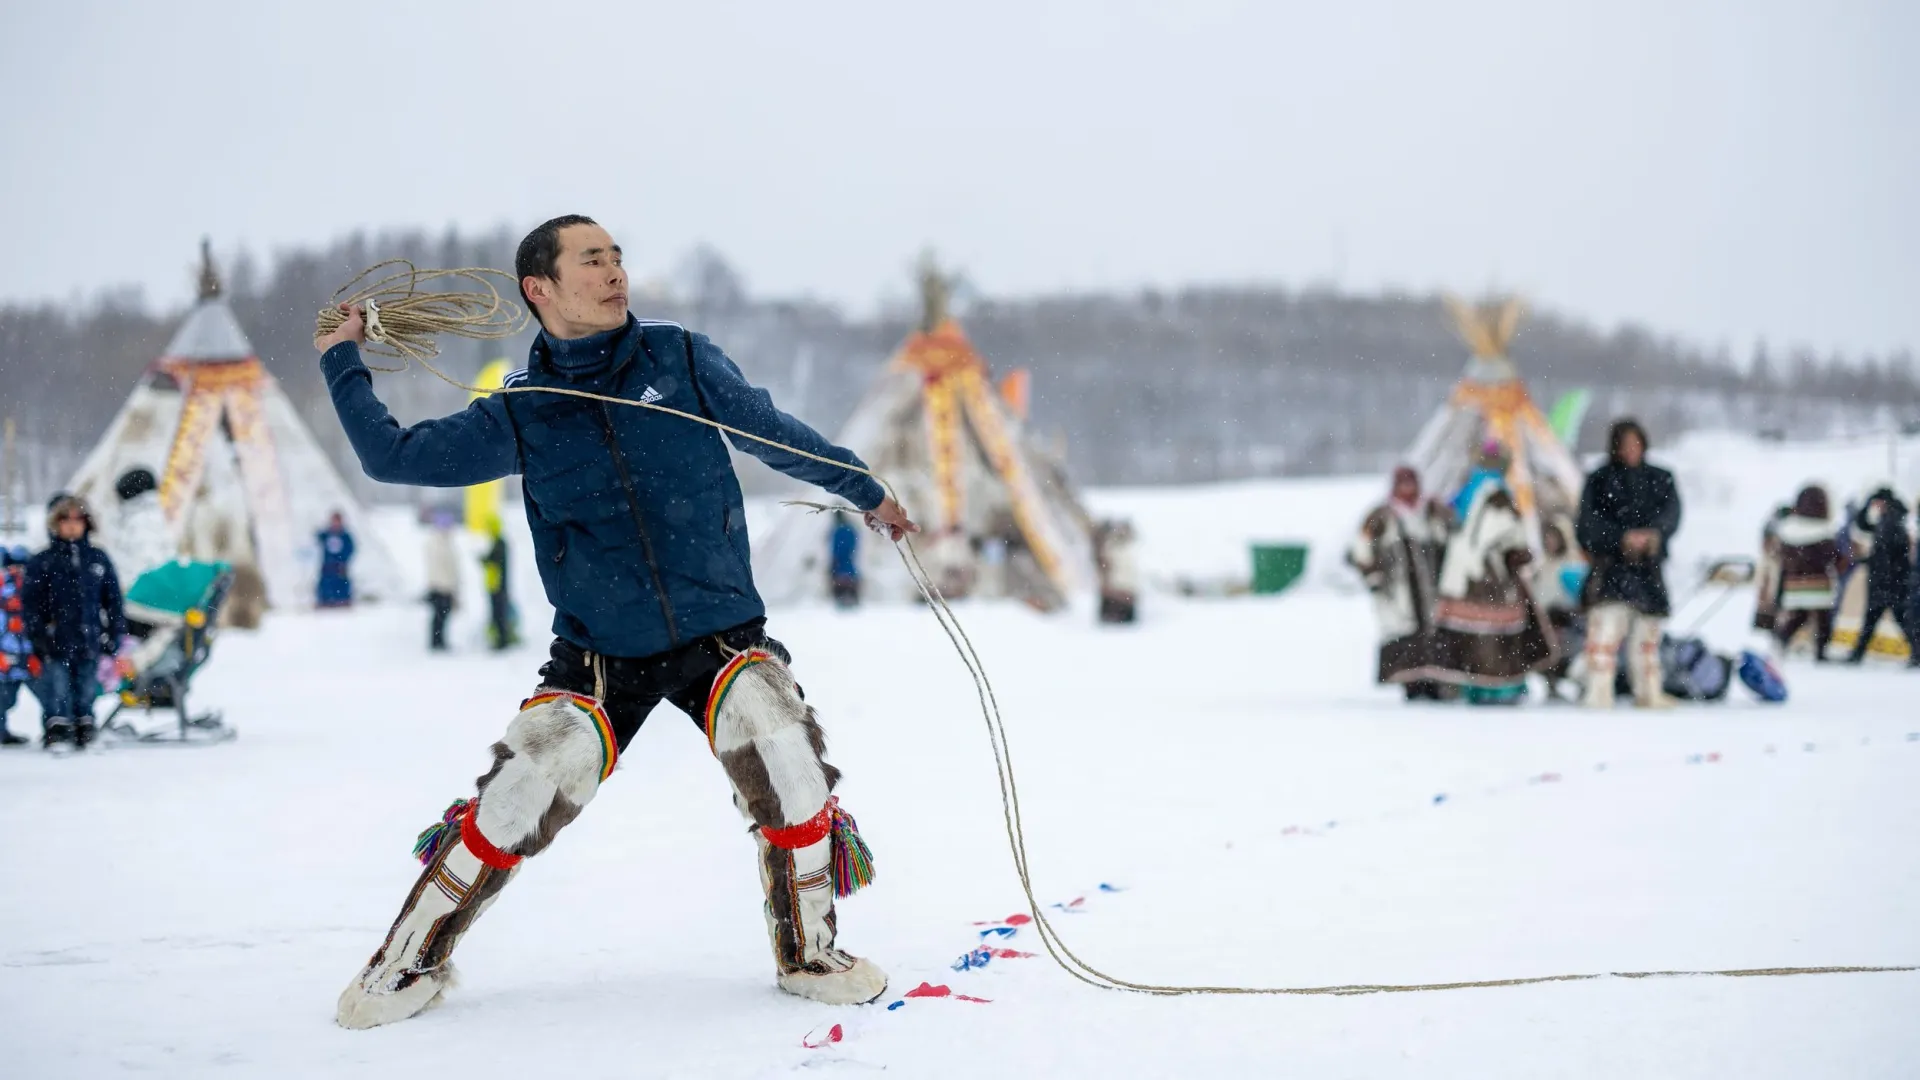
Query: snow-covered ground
x=1271, y=816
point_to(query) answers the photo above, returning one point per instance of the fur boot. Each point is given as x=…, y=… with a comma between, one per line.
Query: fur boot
x=1606, y=629
x=771, y=746
x=1647, y=674
x=545, y=770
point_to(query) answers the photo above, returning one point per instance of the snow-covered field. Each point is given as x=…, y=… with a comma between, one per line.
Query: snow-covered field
x=1271, y=816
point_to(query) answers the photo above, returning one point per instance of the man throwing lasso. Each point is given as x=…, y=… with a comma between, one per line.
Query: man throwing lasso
x=642, y=544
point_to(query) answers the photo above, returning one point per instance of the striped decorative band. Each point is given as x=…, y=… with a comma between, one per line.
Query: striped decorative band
x=723, y=684
x=596, y=715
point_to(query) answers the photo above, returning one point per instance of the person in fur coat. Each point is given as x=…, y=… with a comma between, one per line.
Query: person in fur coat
x=1488, y=631
x=1767, y=574
x=140, y=538
x=1808, y=580
x=1397, y=553
x=1558, y=578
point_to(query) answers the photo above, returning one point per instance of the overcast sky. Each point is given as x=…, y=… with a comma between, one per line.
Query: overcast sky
x=1722, y=171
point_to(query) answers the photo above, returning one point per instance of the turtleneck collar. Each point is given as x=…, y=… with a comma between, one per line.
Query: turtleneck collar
x=581, y=358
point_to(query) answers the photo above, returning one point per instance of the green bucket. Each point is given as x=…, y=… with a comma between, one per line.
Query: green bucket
x=1277, y=566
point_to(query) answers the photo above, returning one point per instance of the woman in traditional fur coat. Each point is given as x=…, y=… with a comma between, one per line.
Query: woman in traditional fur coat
x=1558, y=579
x=1809, y=574
x=1766, y=604
x=1488, y=631
x=1397, y=553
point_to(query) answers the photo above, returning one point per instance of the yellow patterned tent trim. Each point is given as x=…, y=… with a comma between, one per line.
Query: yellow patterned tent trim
x=943, y=449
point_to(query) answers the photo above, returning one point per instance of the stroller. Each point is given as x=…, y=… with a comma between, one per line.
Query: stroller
x=173, y=611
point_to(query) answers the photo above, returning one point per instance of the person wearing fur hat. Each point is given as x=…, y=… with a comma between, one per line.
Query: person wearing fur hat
x=1489, y=631
x=1809, y=574
x=1629, y=513
x=1490, y=464
x=72, y=609
x=1397, y=553
x=18, y=666
x=135, y=534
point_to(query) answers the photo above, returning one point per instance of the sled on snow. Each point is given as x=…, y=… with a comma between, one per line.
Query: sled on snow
x=173, y=611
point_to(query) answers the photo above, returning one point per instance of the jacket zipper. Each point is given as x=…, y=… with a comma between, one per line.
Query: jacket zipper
x=639, y=523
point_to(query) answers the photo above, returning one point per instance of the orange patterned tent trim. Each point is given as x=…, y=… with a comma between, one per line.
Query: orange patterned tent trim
x=999, y=447
x=941, y=353
x=210, y=391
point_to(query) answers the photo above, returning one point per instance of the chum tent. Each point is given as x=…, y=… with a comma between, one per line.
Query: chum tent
x=1491, y=403
x=956, y=447
x=241, y=479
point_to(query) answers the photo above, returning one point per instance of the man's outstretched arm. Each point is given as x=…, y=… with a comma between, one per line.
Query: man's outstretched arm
x=469, y=447
x=740, y=404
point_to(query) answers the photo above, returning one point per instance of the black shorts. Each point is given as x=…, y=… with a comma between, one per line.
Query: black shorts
x=634, y=685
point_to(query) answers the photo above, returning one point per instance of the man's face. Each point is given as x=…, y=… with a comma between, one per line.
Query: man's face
x=1632, y=450
x=70, y=526
x=588, y=292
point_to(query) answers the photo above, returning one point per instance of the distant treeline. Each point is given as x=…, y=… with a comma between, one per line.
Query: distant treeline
x=1205, y=383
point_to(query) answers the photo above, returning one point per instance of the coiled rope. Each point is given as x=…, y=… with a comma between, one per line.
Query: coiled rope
x=402, y=321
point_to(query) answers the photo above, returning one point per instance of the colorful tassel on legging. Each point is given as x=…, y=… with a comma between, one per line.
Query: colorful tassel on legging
x=428, y=844
x=852, y=859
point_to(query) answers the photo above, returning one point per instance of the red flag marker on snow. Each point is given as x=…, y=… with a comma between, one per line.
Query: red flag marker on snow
x=928, y=990
x=833, y=1035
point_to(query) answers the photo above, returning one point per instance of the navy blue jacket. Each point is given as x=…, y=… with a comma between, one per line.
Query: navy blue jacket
x=636, y=515
x=72, y=602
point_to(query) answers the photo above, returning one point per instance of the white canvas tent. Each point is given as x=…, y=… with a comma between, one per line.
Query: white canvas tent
x=1491, y=403
x=934, y=425
x=241, y=479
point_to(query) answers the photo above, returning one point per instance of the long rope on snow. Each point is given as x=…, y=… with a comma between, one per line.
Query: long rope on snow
x=402, y=320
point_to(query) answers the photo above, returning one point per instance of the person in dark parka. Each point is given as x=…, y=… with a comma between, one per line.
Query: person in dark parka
x=1629, y=513
x=1889, y=566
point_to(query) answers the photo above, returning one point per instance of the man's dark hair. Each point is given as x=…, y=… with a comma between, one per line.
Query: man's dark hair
x=1617, y=434
x=539, y=253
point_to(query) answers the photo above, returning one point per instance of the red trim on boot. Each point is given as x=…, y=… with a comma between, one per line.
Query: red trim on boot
x=806, y=834
x=481, y=847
